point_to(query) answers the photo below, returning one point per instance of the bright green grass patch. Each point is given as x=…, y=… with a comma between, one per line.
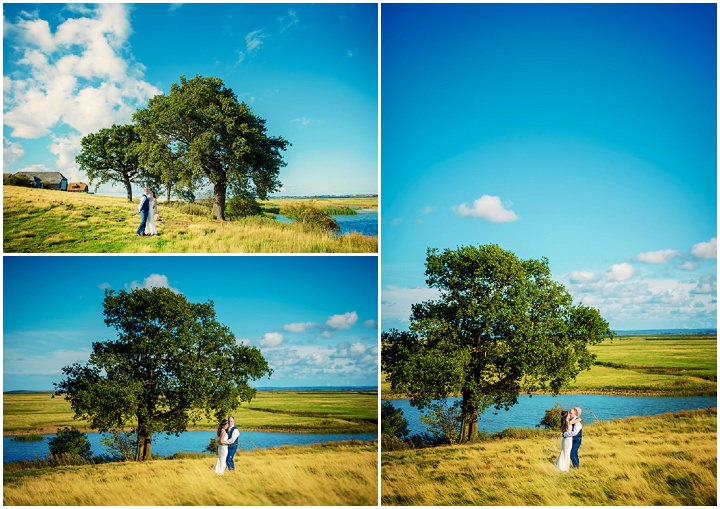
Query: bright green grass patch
x=323, y=412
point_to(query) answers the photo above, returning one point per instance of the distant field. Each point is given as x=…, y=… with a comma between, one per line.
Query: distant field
x=44, y=221
x=321, y=203
x=330, y=474
x=316, y=412
x=669, y=459
x=646, y=365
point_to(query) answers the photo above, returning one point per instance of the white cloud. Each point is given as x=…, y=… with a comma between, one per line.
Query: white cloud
x=82, y=76
x=357, y=349
x=662, y=256
x=582, y=276
x=620, y=272
x=303, y=121
x=105, y=286
x=487, y=207
x=271, y=339
x=688, y=266
x=153, y=281
x=288, y=21
x=397, y=301
x=705, y=250
x=343, y=322
x=298, y=327
x=371, y=324
x=12, y=152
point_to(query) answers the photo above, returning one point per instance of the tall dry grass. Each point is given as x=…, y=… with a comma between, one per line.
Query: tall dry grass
x=44, y=221
x=664, y=460
x=309, y=476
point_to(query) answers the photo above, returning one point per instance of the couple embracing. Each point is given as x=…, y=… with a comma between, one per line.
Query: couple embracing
x=571, y=426
x=227, y=439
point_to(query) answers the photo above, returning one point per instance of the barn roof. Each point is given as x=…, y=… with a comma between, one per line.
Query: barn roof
x=53, y=177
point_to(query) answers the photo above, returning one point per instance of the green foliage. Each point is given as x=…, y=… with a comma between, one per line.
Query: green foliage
x=111, y=155
x=501, y=326
x=243, y=205
x=213, y=445
x=392, y=443
x=443, y=423
x=28, y=438
x=171, y=362
x=217, y=140
x=393, y=421
x=310, y=217
x=121, y=445
x=20, y=180
x=70, y=441
x=339, y=211
x=552, y=418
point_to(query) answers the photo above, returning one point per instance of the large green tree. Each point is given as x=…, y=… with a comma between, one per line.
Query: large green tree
x=500, y=327
x=111, y=155
x=171, y=363
x=201, y=122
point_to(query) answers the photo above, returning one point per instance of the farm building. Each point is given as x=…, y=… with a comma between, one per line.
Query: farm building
x=77, y=187
x=47, y=179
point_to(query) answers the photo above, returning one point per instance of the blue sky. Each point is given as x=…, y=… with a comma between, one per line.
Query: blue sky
x=314, y=318
x=309, y=70
x=581, y=133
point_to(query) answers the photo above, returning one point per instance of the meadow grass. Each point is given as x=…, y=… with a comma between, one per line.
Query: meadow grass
x=639, y=365
x=355, y=202
x=44, y=221
x=321, y=475
x=663, y=460
x=308, y=412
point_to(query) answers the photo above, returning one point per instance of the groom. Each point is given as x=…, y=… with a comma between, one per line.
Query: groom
x=576, y=434
x=233, y=434
x=143, y=209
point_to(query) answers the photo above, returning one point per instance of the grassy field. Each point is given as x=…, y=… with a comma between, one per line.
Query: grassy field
x=324, y=475
x=357, y=202
x=43, y=221
x=663, y=460
x=646, y=365
x=316, y=412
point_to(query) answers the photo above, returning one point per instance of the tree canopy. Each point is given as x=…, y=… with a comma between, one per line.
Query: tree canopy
x=218, y=139
x=111, y=155
x=171, y=362
x=500, y=327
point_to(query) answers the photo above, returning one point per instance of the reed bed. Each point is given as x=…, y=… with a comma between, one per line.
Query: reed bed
x=663, y=460
x=311, y=476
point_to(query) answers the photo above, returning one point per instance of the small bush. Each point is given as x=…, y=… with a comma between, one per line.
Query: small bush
x=552, y=419
x=69, y=442
x=242, y=206
x=392, y=443
x=310, y=217
x=393, y=421
x=212, y=446
x=339, y=211
x=443, y=423
x=19, y=180
x=121, y=445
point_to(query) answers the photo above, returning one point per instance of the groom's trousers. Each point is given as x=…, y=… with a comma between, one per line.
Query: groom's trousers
x=143, y=222
x=576, y=443
x=231, y=452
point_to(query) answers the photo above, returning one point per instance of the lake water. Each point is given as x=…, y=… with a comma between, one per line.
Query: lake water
x=363, y=222
x=530, y=410
x=190, y=441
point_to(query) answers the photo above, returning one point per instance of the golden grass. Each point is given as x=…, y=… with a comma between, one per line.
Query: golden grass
x=311, y=476
x=664, y=460
x=364, y=202
x=38, y=220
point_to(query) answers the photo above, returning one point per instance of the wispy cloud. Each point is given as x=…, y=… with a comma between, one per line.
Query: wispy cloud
x=289, y=20
x=658, y=257
x=487, y=207
x=303, y=121
x=298, y=327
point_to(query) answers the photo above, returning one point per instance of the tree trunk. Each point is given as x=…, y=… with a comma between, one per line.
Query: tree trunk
x=144, y=446
x=469, y=419
x=128, y=187
x=219, y=201
x=168, y=187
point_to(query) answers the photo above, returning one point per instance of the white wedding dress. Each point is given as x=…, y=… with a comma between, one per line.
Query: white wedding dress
x=150, y=227
x=220, y=464
x=563, y=461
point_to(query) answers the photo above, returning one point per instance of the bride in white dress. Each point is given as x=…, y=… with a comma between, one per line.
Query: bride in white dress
x=150, y=228
x=563, y=461
x=222, y=448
